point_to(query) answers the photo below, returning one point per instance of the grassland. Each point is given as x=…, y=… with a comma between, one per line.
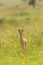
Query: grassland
x=11, y=19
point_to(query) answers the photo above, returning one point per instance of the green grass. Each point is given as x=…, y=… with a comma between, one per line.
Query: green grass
x=11, y=19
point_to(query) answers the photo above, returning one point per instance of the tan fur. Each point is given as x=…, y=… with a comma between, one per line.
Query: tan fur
x=23, y=41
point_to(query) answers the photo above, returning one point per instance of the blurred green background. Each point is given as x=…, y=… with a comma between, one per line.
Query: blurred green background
x=15, y=14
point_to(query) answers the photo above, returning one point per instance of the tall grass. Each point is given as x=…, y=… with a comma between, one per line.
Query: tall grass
x=25, y=17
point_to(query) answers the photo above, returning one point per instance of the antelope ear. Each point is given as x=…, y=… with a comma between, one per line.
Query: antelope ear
x=22, y=30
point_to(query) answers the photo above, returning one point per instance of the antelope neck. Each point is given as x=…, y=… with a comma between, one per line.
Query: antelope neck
x=20, y=37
